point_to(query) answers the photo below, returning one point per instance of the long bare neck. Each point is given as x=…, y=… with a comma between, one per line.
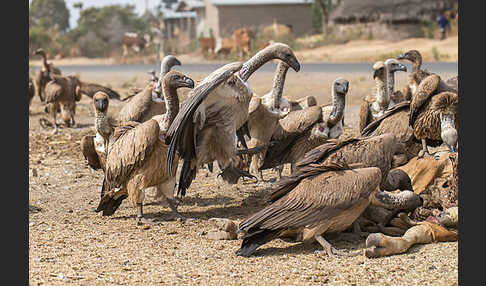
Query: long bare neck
x=390, y=84
x=278, y=83
x=382, y=97
x=337, y=113
x=416, y=64
x=44, y=61
x=255, y=62
x=171, y=101
x=102, y=124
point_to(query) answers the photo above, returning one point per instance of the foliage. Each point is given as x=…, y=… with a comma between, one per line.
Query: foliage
x=49, y=13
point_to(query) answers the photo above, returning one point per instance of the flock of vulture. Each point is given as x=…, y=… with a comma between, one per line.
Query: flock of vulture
x=334, y=183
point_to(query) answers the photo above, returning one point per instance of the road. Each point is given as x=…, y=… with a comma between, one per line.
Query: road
x=438, y=67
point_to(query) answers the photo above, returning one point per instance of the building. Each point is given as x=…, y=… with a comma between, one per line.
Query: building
x=387, y=19
x=222, y=17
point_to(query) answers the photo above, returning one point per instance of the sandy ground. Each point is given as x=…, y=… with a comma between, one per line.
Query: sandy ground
x=71, y=244
x=353, y=51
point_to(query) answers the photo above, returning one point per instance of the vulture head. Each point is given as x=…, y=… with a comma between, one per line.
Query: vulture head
x=175, y=79
x=40, y=51
x=340, y=86
x=100, y=101
x=413, y=55
x=449, y=217
x=393, y=65
x=379, y=70
x=165, y=65
x=274, y=51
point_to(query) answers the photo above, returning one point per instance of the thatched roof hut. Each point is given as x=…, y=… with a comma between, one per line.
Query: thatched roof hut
x=389, y=11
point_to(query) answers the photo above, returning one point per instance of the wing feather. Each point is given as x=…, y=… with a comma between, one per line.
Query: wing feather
x=424, y=91
x=181, y=133
x=316, y=199
x=132, y=143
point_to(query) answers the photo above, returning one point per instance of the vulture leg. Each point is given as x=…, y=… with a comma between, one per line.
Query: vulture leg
x=210, y=167
x=231, y=174
x=331, y=251
x=424, y=149
x=173, y=207
x=52, y=111
x=140, y=219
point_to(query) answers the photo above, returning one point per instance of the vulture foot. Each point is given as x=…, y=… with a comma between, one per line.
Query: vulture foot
x=232, y=174
x=331, y=250
x=142, y=221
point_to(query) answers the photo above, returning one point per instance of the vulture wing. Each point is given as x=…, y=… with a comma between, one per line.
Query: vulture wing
x=181, y=133
x=91, y=88
x=316, y=199
x=137, y=107
x=389, y=112
x=425, y=89
x=130, y=145
x=89, y=152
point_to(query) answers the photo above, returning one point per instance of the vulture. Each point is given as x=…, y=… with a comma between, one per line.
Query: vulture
x=205, y=129
x=94, y=148
x=42, y=77
x=328, y=200
x=433, y=114
x=135, y=157
x=371, y=104
x=302, y=103
x=375, y=106
x=263, y=116
x=90, y=89
x=62, y=92
x=454, y=83
x=302, y=130
x=392, y=66
x=31, y=90
x=417, y=75
x=148, y=102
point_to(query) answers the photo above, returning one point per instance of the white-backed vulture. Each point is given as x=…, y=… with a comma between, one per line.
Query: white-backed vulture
x=371, y=106
x=42, y=76
x=454, y=83
x=94, y=148
x=31, y=90
x=136, y=153
x=205, y=129
x=149, y=102
x=392, y=66
x=375, y=106
x=89, y=89
x=62, y=92
x=417, y=75
x=302, y=103
x=395, y=121
x=328, y=200
x=426, y=108
x=303, y=130
x=263, y=116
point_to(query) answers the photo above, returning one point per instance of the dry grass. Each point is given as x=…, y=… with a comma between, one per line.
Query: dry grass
x=71, y=244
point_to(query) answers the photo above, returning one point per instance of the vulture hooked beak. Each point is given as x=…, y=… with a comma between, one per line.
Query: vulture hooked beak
x=187, y=82
x=376, y=73
x=401, y=67
x=294, y=64
x=101, y=104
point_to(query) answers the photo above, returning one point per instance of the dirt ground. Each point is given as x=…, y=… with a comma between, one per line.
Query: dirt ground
x=71, y=244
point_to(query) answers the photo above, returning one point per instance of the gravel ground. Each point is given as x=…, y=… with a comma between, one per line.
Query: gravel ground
x=71, y=244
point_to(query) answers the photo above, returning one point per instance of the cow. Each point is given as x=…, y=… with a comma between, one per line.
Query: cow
x=242, y=38
x=134, y=41
x=208, y=45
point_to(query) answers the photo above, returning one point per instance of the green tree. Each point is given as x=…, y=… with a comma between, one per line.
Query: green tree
x=49, y=13
x=100, y=30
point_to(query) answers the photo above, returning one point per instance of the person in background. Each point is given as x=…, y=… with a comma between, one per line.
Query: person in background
x=443, y=24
